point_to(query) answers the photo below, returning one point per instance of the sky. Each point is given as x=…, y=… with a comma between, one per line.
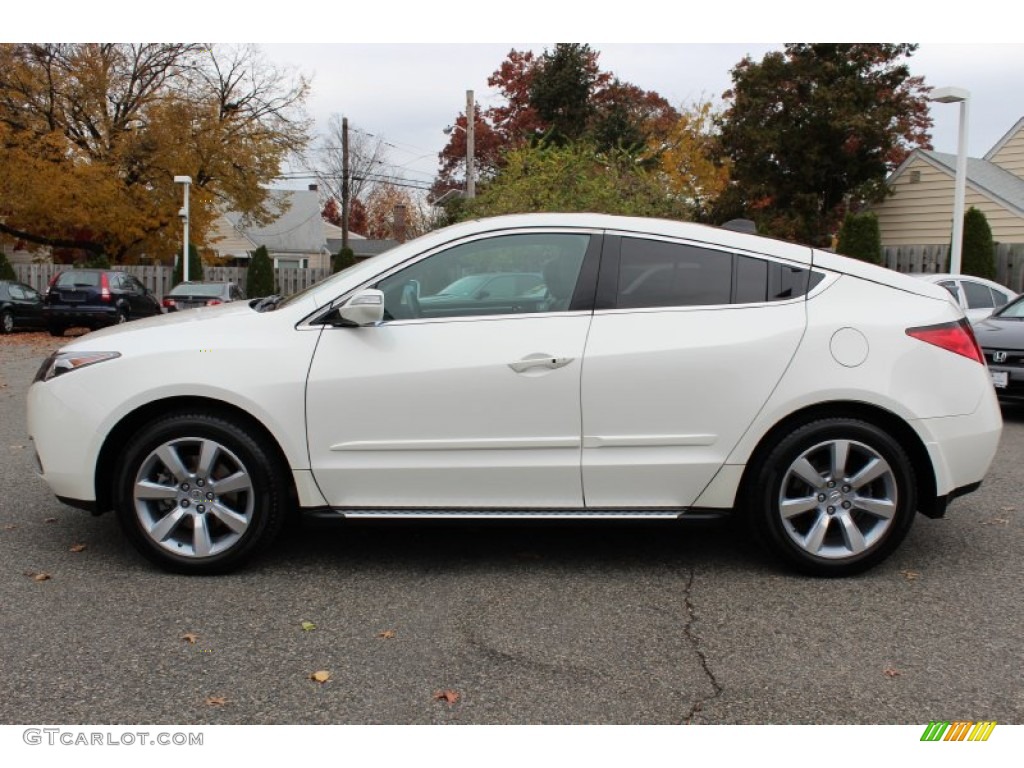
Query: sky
x=407, y=93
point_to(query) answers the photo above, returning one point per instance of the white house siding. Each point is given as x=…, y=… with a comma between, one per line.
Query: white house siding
x=922, y=213
x=1010, y=156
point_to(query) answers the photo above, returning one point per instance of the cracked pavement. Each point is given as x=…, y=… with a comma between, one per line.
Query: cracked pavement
x=528, y=623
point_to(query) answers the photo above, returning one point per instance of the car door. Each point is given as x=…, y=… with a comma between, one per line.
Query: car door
x=27, y=305
x=429, y=410
x=687, y=343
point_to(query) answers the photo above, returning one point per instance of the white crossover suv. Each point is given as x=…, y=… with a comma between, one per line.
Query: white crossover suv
x=658, y=370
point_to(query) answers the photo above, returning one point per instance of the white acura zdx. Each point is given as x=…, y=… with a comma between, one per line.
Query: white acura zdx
x=658, y=370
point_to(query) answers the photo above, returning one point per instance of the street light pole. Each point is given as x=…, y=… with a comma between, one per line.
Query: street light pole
x=183, y=213
x=951, y=95
x=470, y=136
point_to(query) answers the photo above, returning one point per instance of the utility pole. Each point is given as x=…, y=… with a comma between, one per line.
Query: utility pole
x=344, y=183
x=470, y=130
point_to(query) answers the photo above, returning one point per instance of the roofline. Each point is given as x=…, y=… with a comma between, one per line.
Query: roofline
x=1003, y=141
x=926, y=155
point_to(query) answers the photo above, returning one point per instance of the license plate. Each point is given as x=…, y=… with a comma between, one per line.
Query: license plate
x=1000, y=379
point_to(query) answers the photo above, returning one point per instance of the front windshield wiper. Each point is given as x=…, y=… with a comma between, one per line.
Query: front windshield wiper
x=268, y=303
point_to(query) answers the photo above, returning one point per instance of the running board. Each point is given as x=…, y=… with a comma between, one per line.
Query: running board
x=400, y=513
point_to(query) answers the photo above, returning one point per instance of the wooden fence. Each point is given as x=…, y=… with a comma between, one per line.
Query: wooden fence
x=935, y=258
x=159, y=280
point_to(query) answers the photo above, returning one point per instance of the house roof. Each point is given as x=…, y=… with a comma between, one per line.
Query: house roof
x=362, y=246
x=1019, y=125
x=298, y=229
x=984, y=176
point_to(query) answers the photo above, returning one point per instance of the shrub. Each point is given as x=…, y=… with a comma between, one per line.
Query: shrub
x=860, y=238
x=259, y=280
x=195, y=266
x=343, y=259
x=978, y=256
x=6, y=270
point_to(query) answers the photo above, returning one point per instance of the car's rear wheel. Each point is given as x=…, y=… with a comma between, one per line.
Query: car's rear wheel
x=833, y=497
x=6, y=322
x=198, y=493
x=55, y=329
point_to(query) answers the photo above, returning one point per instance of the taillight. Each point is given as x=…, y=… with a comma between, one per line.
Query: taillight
x=104, y=287
x=169, y=303
x=213, y=302
x=955, y=337
x=49, y=286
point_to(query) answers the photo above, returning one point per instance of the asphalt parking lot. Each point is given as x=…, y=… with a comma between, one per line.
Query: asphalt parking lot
x=502, y=624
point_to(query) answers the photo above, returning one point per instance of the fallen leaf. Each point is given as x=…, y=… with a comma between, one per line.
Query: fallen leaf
x=190, y=637
x=10, y=527
x=308, y=626
x=1007, y=509
x=16, y=447
x=448, y=696
x=891, y=672
x=387, y=634
x=910, y=575
x=50, y=520
x=321, y=677
x=996, y=521
x=216, y=701
x=77, y=548
x=38, y=575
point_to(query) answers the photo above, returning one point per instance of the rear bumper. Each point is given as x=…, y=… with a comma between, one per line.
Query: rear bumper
x=92, y=315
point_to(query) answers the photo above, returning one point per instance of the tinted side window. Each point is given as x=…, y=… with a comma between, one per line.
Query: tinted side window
x=653, y=273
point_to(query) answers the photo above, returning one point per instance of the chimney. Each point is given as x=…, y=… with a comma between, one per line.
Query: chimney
x=312, y=187
x=399, y=228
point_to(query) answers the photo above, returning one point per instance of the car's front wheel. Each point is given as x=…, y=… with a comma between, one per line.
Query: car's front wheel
x=199, y=493
x=6, y=322
x=834, y=497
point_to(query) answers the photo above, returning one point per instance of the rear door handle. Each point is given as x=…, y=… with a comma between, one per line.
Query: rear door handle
x=540, y=360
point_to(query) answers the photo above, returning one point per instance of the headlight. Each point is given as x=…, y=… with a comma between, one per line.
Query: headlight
x=60, y=363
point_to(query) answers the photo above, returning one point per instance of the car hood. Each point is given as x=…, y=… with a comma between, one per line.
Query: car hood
x=1005, y=334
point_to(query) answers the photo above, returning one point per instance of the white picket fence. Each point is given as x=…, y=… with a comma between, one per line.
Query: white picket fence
x=159, y=280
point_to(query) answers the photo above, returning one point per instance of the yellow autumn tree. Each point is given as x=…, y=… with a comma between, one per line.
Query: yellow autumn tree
x=692, y=167
x=92, y=135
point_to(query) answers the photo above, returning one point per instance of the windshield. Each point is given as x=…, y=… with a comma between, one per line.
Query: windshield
x=74, y=277
x=198, y=289
x=1013, y=311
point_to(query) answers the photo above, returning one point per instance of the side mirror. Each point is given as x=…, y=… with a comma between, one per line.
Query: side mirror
x=365, y=308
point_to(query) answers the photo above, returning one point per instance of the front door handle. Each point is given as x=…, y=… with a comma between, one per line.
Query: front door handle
x=540, y=360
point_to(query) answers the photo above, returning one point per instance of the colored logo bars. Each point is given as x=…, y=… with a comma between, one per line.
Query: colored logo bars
x=960, y=730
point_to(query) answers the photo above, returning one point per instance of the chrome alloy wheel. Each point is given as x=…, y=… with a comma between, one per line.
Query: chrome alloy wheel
x=193, y=497
x=838, y=499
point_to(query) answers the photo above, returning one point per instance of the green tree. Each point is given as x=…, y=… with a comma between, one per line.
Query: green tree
x=97, y=261
x=561, y=90
x=814, y=124
x=574, y=177
x=860, y=237
x=6, y=270
x=195, y=266
x=979, y=249
x=259, y=280
x=343, y=259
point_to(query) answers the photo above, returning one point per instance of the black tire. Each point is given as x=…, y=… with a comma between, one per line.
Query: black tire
x=180, y=520
x=6, y=322
x=834, y=497
x=122, y=317
x=56, y=330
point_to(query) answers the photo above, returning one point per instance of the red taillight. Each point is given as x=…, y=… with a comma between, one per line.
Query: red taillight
x=955, y=337
x=169, y=303
x=49, y=286
x=213, y=302
x=104, y=287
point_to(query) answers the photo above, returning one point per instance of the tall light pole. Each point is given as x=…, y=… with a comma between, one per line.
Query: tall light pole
x=470, y=136
x=951, y=95
x=183, y=213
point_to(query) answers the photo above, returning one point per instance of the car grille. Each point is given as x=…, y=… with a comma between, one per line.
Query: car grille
x=1014, y=358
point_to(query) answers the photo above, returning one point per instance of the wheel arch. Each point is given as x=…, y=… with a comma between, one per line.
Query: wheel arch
x=118, y=437
x=904, y=434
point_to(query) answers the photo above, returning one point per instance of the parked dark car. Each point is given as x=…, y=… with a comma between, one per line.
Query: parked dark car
x=21, y=306
x=197, y=293
x=95, y=298
x=1001, y=338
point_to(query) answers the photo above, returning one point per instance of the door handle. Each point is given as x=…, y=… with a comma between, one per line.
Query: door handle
x=540, y=360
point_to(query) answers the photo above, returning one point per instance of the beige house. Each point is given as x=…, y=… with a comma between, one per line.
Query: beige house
x=920, y=210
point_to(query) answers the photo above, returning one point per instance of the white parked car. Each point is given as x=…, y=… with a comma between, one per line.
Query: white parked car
x=666, y=370
x=976, y=296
